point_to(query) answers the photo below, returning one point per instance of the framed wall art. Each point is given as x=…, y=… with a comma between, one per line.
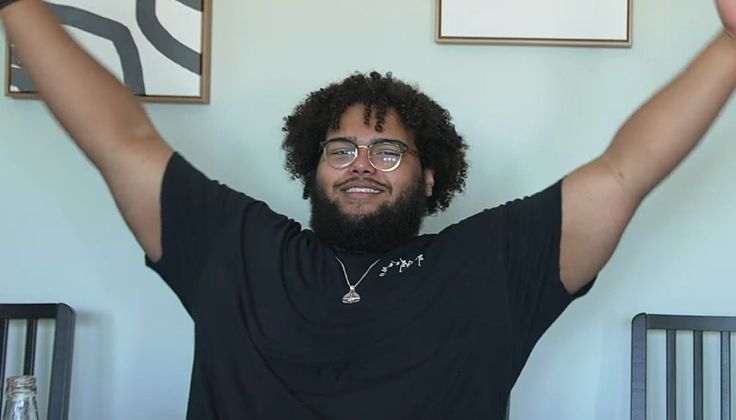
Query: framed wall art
x=538, y=22
x=160, y=49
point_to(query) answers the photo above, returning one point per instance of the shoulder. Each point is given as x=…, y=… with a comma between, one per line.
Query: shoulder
x=545, y=204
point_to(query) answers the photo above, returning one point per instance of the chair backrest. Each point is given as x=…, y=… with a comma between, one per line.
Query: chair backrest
x=671, y=324
x=61, y=363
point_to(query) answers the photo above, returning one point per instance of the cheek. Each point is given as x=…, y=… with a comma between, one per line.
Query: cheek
x=324, y=176
x=406, y=180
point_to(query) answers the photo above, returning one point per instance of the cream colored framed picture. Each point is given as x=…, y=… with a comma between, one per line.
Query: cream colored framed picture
x=536, y=22
x=160, y=49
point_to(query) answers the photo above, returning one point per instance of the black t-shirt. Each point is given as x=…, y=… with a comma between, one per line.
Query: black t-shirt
x=444, y=327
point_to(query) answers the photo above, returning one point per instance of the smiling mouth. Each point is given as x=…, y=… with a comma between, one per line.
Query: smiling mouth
x=362, y=186
x=362, y=190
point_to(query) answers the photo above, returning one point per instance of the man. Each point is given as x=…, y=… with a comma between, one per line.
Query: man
x=361, y=318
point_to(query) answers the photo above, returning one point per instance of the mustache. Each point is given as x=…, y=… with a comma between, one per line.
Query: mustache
x=364, y=181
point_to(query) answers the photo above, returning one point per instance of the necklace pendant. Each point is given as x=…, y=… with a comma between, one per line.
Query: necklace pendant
x=351, y=297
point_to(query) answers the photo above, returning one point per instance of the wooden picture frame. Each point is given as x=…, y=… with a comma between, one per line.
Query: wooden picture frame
x=160, y=49
x=601, y=23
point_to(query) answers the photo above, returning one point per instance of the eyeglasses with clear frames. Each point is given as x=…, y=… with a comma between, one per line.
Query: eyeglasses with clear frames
x=383, y=154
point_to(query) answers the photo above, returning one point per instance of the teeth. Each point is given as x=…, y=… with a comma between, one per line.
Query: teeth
x=362, y=190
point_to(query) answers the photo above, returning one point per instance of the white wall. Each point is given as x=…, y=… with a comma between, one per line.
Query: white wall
x=530, y=115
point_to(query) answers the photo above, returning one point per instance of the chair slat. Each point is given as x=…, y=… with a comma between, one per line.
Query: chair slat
x=725, y=375
x=4, y=325
x=697, y=375
x=29, y=360
x=671, y=375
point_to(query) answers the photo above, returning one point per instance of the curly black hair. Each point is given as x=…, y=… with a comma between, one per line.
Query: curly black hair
x=441, y=148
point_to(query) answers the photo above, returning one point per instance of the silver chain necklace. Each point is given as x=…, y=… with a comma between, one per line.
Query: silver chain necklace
x=352, y=296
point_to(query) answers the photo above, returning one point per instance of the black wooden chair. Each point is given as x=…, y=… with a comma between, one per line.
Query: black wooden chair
x=671, y=324
x=61, y=363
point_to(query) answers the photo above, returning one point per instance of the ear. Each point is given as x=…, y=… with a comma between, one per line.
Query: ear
x=428, y=181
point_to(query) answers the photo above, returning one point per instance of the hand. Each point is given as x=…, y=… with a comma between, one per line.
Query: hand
x=727, y=12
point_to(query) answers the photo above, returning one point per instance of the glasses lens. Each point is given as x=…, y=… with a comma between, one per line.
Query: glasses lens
x=385, y=156
x=340, y=154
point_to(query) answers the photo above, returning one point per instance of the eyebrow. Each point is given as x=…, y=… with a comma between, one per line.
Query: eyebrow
x=374, y=140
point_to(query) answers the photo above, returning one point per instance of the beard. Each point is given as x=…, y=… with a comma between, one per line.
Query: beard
x=388, y=227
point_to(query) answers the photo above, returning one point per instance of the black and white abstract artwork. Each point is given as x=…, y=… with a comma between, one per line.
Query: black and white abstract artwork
x=157, y=48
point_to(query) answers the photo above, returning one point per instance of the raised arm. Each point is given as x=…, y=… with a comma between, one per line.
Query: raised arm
x=99, y=113
x=599, y=198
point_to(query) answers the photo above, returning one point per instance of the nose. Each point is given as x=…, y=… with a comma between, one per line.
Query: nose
x=362, y=164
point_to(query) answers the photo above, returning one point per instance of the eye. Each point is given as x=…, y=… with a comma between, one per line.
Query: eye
x=341, y=151
x=340, y=148
x=386, y=149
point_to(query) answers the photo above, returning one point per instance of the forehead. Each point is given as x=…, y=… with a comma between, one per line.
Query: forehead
x=352, y=124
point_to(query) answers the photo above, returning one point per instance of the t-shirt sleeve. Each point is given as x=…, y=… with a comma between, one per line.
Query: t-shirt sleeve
x=194, y=211
x=532, y=229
